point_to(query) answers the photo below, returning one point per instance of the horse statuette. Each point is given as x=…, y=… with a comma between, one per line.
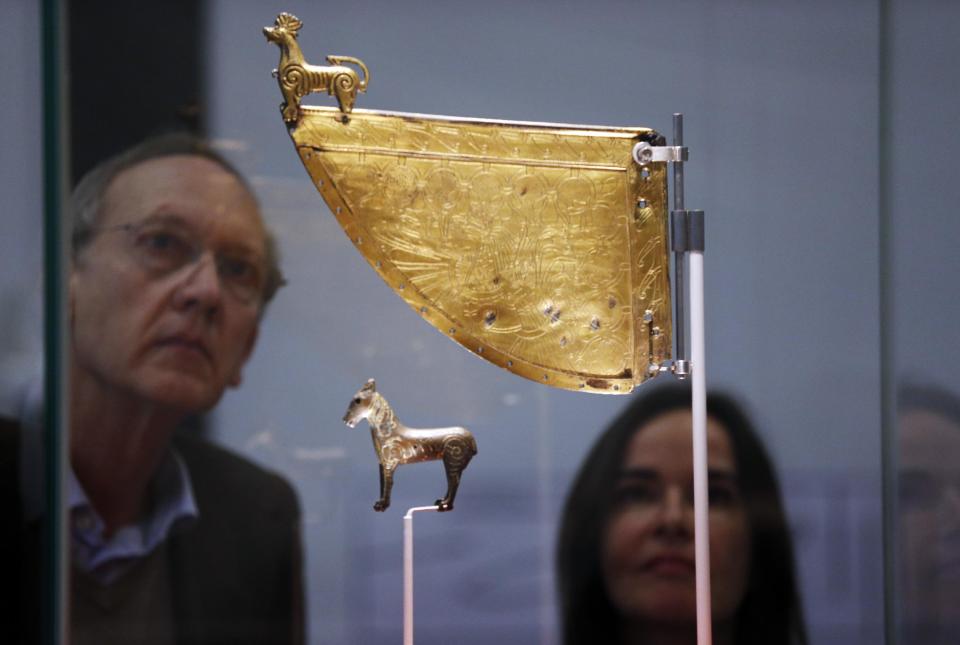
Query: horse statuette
x=397, y=444
x=298, y=78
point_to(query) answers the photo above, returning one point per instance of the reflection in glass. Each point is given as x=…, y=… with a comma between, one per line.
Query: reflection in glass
x=928, y=517
x=625, y=560
x=171, y=538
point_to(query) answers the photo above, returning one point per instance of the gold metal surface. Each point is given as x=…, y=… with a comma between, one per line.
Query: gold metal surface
x=298, y=78
x=397, y=444
x=542, y=248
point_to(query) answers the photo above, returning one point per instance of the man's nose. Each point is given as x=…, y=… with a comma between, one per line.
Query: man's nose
x=200, y=285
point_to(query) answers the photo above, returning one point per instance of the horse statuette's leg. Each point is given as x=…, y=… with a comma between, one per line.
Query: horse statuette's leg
x=290, y=110
x=386, y=483
x=381, y=481
x=453, y=482
x=345, y=99
x=457, y=452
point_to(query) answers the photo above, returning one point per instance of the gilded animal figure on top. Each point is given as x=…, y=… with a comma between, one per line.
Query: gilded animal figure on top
x=298, y=78
x=397, y=444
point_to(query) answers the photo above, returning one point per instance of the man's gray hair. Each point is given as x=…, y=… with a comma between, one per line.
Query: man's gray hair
x=86, y=201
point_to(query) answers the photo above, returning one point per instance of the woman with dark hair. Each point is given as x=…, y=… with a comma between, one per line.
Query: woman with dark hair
x=626, y=554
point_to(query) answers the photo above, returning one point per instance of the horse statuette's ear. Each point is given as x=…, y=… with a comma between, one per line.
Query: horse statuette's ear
x=289, y=21
x=370, y=385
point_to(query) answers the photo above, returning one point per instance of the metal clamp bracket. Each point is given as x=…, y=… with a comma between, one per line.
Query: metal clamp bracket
x=644, y=153
x=687, y=231
x=680, y=368
x=686, y=236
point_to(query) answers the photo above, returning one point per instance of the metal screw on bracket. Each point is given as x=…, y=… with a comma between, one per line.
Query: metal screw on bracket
x=644, y=153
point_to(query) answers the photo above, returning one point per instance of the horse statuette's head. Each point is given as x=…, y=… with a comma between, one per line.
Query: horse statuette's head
x=361, y=404
x=284, y=29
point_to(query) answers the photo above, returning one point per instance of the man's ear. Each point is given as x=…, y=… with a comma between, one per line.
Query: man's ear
x=237, y=377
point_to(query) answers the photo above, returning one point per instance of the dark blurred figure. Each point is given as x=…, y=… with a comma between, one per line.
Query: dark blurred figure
x=172, y=539
x=626, y=549
x=928, y=540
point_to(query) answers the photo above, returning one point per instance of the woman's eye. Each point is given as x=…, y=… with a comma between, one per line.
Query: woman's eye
x=721, y=496
x=636, y=494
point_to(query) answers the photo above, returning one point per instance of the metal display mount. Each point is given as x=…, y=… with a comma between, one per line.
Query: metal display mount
x=317, y=137
x=408, y=571
x=687, y=243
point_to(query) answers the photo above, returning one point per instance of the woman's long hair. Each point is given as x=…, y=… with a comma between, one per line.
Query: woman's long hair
x=771, y=611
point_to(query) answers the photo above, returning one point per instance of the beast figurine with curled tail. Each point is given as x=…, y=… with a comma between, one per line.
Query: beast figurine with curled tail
x=298, y=78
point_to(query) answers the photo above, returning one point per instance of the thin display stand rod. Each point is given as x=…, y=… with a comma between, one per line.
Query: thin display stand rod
x=701, y=503
x=408, y=572
x=688, y=242
x=679, y=322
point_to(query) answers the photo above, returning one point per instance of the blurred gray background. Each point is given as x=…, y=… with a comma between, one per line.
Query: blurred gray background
x=819, y=137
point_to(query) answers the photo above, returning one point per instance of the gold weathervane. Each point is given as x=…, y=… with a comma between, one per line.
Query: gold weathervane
x=540, y=247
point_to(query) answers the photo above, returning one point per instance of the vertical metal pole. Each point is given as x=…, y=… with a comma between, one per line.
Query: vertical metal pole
x=679, y=324
x=408, y=578
x=689, y=227
x=893, y=614
x=408, y=572
x=544, y=496
x=54, y=607
x=701, y=502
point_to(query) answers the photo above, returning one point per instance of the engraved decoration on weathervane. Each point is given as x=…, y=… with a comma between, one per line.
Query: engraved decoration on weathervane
x=397, y=444
x=539, y=247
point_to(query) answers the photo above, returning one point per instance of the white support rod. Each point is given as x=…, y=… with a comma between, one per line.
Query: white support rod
x=408, y=572
x=408, y=578
x=701, y=502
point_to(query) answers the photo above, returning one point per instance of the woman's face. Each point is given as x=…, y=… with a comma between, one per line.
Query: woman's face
x=648, y=546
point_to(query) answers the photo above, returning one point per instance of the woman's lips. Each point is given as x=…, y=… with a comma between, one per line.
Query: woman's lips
x=670, y=566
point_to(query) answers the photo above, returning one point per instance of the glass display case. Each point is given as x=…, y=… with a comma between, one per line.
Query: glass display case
x=819, y=141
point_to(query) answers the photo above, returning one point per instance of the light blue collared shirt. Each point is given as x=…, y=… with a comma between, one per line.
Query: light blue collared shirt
x=170, y=505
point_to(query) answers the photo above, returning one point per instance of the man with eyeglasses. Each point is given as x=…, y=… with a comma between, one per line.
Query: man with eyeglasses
x=172, y=540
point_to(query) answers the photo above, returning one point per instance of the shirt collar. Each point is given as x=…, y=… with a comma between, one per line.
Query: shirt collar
x=170, y=508
x=171, y=505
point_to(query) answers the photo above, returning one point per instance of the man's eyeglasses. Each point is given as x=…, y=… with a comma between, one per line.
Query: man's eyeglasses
x=163, y=248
